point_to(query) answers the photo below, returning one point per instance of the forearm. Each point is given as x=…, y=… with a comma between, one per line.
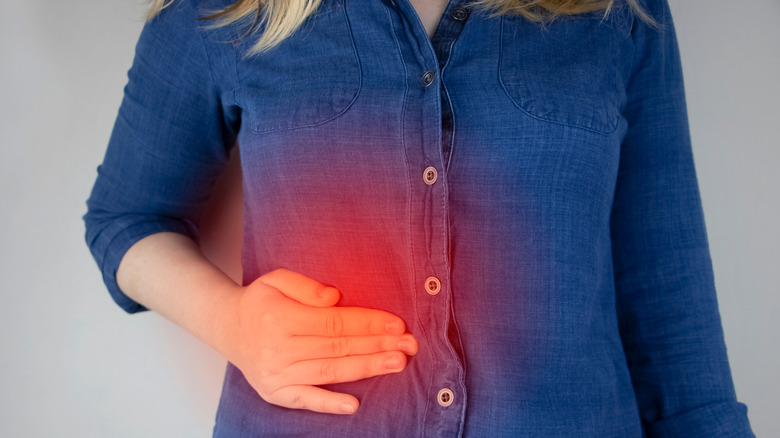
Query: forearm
x=167, y=273
x=278, y=330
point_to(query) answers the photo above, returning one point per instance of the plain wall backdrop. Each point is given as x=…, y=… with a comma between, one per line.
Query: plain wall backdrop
x=73, y=364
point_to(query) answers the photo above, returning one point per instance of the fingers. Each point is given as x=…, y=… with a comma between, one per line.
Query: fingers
x=323, y=319
x=297, y=339
x=314, y=399
x=317, y=347
x=345, y=321
x=343, y=369
x=301, y=288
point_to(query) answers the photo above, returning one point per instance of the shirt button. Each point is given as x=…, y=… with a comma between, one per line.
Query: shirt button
x=430, y=175
x=432, y=285
x=459, y=14
x=427, y=78
x=445, y=397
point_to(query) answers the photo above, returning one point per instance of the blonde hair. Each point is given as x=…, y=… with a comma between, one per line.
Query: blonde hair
x=281, y=18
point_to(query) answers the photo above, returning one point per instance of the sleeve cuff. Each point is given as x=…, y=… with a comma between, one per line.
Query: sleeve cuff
x=122, y=242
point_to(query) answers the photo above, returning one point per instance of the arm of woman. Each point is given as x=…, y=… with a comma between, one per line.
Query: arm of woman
x=171, y=140
x=666, y=302
x=281, y=331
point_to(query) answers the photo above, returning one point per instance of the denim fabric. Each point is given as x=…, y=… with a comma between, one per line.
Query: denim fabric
x=564, y=223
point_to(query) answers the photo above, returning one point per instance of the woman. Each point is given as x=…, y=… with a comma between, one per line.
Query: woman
x=459, y=218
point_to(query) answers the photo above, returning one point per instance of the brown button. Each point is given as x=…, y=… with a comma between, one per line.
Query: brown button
x=432, y=285
x=430, y=175
x=445, y=397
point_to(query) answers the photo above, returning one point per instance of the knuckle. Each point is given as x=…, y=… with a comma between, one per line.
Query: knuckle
x=297, y=402
x=334, y=324
x=265, y=373
x=341, y=346
x=328, y=371
x=268, y=320
x=286, y=397
x=269, y=372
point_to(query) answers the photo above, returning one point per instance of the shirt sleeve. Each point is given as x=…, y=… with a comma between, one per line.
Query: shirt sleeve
x=170, y=141
x=666, y=302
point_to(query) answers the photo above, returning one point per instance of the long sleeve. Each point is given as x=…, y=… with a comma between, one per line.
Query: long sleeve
x=169, y=143
x=667, y=307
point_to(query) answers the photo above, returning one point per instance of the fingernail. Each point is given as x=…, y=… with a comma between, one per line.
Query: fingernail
x=394, y=327
x=392, y=363
x=406, y=345
x=347, y=408
x=326, y=292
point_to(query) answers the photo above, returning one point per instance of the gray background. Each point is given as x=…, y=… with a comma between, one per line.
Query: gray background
x=73, y=364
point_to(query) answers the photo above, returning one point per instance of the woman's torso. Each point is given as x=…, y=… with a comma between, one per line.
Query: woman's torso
x=523, y=127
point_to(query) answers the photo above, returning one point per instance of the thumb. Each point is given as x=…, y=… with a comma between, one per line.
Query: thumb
x=301, y=288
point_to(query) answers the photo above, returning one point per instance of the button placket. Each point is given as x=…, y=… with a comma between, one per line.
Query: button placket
x=429, y=226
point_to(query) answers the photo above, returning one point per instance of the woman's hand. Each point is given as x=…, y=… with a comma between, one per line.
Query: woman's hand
x=281, y=331
x=286, y=337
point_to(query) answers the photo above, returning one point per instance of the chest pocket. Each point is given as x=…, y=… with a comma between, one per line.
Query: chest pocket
x=568, y=72
x=311, y=78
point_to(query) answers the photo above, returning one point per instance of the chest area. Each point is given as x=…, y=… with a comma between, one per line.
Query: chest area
x=500, y=94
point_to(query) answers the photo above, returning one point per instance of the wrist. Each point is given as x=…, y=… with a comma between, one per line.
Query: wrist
x=223, y=327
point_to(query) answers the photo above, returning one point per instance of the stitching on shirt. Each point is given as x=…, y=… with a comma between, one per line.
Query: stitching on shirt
x=343, y=11
x=409, y=179
x=201, y=31
x=610, y=130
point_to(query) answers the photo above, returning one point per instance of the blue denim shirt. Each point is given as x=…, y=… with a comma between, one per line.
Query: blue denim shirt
x=543, y=175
